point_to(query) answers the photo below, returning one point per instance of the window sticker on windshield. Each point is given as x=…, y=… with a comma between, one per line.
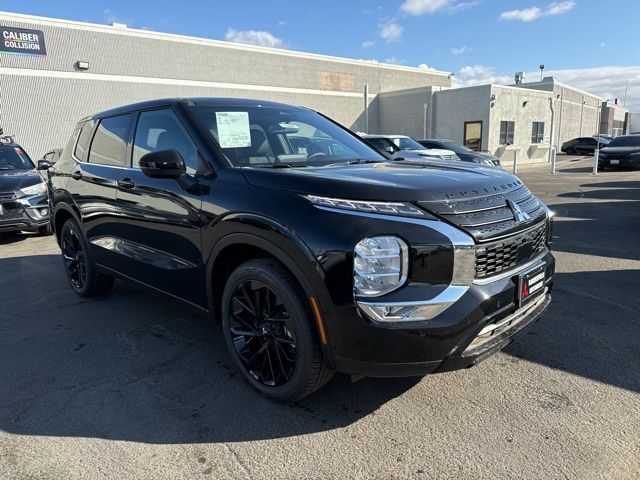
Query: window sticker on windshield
x=233, y=129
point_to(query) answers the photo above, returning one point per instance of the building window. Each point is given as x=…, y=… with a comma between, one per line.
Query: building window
x=507, y=130
x=473, y=135
x=537, y=132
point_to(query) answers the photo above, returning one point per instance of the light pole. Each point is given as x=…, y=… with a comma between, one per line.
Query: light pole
x=541, y=71
x=596, y=154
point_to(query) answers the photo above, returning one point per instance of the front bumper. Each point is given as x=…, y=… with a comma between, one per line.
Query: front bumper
x=25, y=213
x=621, y=162
x=483, y=321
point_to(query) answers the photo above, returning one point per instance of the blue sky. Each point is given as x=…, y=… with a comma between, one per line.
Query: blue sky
x=582, y=42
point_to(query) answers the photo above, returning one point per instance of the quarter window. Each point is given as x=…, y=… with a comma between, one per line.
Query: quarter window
x=82, y=147
x=161, y=130
x=109, y=144
x=537, y=132
x=507, y=130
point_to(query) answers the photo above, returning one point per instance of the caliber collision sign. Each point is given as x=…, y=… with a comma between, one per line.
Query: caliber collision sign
x=22, y=41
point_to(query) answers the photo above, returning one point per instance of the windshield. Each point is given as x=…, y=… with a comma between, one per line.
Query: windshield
x=627, y=141
x=280, y=137
x=406, y=143
x=14, y=158
x=455, y=147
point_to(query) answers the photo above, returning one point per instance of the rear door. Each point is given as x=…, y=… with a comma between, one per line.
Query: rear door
x=160, y=226
x=586, y=145
x=100, y=154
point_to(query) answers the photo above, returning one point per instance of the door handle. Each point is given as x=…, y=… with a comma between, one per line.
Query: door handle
x=76, y=175
x=126, y=183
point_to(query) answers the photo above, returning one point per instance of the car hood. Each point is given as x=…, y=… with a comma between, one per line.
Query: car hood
x=479, y=156
x=620, y=150
x=404, y=181
x=13, y=180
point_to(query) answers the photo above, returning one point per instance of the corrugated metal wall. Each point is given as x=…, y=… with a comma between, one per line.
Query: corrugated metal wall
x=41, y=98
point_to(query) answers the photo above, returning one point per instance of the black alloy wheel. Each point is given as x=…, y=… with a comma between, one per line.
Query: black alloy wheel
x=270, y=331
x=78, y=263
x=74, y=258
x=262, y=333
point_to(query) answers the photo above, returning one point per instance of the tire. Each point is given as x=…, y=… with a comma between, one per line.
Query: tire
x=46, y=230
x=279, y=319
x=79, y=266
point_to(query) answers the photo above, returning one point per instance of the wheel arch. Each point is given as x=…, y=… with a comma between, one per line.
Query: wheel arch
x=237, y=247
x=62, y=212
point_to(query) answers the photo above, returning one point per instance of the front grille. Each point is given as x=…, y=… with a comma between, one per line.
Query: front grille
x=7, y=195
x=489, y=216
x=12, y=211
x=493, y=258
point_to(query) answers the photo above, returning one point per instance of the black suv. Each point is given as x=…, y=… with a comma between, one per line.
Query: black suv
x=314, y=252
x=24, y=205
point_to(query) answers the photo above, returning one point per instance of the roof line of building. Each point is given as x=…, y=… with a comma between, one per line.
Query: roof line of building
x=560, y=84
x=206, y=41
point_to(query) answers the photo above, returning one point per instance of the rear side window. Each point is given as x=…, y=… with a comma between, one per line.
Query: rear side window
x=82, y=147
x=162, y=130
x=109, y=144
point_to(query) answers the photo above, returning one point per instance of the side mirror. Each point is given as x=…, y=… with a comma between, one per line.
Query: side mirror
x=44, y=164
x=163, y=164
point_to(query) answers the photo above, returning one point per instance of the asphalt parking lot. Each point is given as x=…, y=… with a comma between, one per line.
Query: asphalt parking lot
x=134, y=385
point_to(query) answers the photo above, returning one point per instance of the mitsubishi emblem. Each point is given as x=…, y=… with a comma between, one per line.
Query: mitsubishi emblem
x=518, y=214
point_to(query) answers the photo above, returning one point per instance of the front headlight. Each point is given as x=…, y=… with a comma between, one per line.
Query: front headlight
x=38, y=189
x=388, y=208
x=380, y=265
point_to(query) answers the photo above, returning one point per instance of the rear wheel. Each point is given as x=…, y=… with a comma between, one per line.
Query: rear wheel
x=269, y=331
x=79, y=267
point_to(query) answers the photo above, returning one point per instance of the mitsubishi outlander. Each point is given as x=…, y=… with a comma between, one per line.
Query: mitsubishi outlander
x=314, y=252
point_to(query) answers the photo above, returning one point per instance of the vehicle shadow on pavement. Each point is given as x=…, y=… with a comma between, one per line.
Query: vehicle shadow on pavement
x=591, y=329
x=602, y=228
x=139, y=367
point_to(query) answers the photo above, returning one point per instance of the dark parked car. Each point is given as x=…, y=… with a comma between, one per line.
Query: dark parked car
x=622, y=152
x=465, y=154
x=24, y=205
x=583, y=145
x=314, y=261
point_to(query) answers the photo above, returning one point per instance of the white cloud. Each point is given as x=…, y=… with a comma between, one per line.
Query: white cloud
x=281, y=23
x=525, y=15
x=560, y=8
x=395, y=61
x=391, y=31
x=424, y=66
x=534, y=13
x=461, y=50
x=608, y=82
x=253, y=37
x=422, y=7
x=110, y=17
x=368, y=44
x=479, y=75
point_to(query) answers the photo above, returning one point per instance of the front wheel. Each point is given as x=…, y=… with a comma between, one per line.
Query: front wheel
x=269, y=331
x=78, y=264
